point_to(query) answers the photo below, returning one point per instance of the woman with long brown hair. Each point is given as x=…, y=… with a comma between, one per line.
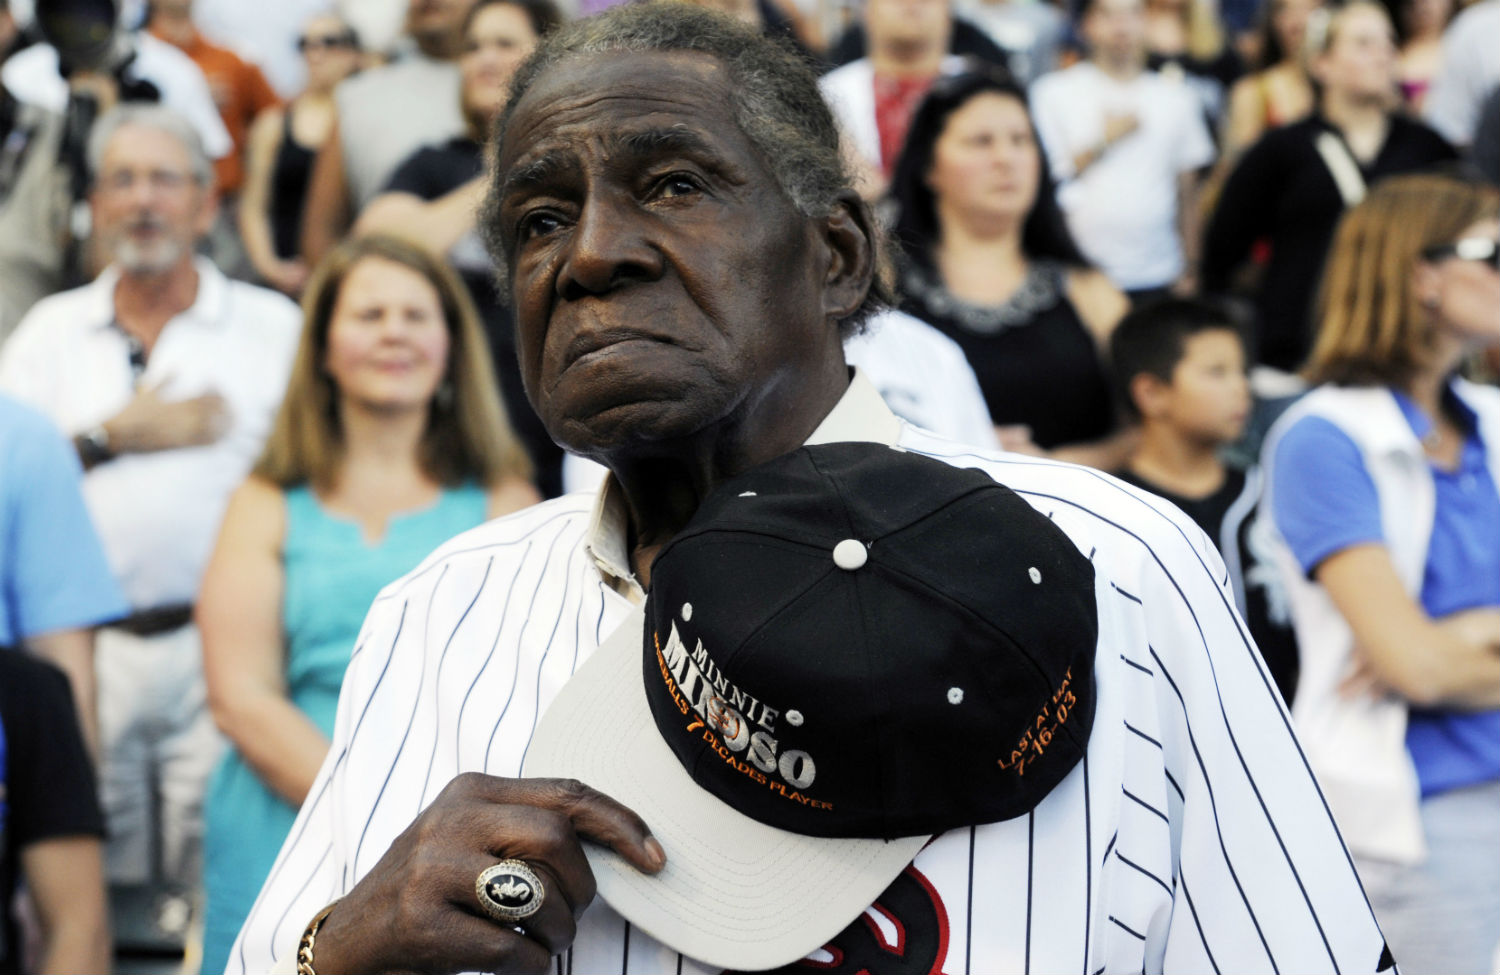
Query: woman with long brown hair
x=391, y=440
x=1383, y=493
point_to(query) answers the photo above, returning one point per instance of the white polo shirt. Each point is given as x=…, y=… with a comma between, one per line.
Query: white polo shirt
x=1122, y=209
x=1191, y=838
x=158, y=513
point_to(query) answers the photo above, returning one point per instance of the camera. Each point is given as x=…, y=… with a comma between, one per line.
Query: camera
x=85, y=34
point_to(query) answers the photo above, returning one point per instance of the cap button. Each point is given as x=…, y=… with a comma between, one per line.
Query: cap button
x=850, y=554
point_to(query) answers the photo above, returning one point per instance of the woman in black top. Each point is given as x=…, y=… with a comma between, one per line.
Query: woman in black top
x=280, y=151
x=1292, y=186
x=990, y=262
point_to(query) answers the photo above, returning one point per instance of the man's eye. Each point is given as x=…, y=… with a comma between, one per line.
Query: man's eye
x=535, y=225
x=676, y=185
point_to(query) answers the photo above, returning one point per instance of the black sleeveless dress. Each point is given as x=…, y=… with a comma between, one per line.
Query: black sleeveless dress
x=1037, y=363
x=289, y=176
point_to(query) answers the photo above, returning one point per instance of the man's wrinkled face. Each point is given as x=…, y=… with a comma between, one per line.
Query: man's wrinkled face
x=663, y=283
x=149, y=207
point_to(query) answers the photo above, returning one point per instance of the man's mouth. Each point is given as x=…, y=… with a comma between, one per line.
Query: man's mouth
x=592, y=344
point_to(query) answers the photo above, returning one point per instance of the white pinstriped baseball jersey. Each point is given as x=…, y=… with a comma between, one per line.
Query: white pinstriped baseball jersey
x=1192, y=837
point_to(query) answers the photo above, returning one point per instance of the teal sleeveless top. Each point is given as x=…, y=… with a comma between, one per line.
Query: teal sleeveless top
x=332, y=575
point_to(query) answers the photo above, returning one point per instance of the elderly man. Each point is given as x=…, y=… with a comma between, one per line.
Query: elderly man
x=167, y=376
x=684, y=250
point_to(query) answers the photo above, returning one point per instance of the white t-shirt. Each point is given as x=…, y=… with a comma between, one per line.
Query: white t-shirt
x=1122, y=209
x=32, y=77
x=1191, y=838
x=158, y=513
x=388, y=113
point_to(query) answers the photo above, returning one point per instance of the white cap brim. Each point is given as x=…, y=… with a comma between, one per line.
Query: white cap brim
x=735, y=893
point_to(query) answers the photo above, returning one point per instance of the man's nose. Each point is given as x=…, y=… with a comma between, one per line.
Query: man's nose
x=140, y=192
x=607, y=249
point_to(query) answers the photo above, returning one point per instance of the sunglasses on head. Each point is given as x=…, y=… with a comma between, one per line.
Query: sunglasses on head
x=1484, y=250
x=331, y=42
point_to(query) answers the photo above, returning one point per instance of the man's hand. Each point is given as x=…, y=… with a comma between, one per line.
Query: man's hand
x=102, y=88
x=149, y=423
x=416, y=910
x=1118, y=125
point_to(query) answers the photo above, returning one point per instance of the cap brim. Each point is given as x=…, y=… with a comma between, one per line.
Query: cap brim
x=735, y=893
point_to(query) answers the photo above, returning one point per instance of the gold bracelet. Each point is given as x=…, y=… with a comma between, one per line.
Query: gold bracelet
x=309, y=936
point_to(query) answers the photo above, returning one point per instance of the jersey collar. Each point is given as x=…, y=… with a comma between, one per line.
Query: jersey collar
x=860, y=415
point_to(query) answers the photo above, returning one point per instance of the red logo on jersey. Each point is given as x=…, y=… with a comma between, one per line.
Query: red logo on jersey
x=913, y=940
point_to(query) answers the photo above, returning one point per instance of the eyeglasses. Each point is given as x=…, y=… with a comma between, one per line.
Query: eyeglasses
x=161, y=180
x=1484, y=250
x=330, y=42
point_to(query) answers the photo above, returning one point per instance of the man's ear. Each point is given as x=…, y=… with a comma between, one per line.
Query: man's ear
x=851, y=237
x=1148, y=393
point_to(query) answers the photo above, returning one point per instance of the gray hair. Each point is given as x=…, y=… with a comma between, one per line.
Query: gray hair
x=151, y=116
x=776, y=104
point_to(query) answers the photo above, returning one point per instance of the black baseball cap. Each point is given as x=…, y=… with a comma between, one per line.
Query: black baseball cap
x=845, y=652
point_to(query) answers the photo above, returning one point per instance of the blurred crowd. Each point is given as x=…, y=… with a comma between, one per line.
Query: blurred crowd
x=255, y=364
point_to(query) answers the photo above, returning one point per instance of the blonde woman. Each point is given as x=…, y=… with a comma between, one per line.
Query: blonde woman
x=1383, y=491
x=391, y=440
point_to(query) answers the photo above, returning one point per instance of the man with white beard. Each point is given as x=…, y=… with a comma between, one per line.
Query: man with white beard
x=167, y=376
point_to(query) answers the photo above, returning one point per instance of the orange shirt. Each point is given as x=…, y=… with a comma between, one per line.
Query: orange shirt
x=240, y=91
